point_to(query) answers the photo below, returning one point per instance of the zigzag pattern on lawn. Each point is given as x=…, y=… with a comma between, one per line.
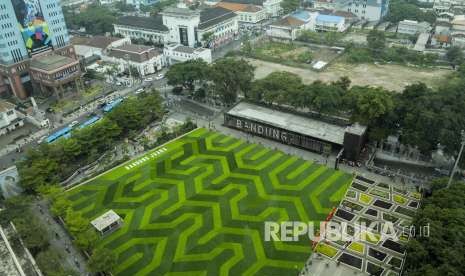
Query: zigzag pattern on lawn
x=199, y=209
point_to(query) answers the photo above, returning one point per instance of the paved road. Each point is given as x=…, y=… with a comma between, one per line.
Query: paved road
x=9, y=154
x=60, y=240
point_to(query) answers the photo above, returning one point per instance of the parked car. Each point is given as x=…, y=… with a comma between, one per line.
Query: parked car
x=160, y=76
x=140, y=90
x=148, y=79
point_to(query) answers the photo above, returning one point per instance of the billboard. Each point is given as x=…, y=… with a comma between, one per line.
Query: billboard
x=34, y=29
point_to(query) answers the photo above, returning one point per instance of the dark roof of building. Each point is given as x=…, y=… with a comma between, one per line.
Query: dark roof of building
x=133, y=52
x=50, y=62
x=184, y=49
x=212, y=16
x=151, y=23
x=98, y=41
x=253, y=2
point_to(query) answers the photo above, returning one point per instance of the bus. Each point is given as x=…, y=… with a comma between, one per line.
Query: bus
x=64, y=132
x=89, y=122
x=109, y=106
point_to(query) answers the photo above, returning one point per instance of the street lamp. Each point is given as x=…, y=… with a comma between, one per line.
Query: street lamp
x=462, y=134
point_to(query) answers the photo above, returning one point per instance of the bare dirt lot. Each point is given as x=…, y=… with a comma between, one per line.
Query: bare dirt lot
x=391, y=77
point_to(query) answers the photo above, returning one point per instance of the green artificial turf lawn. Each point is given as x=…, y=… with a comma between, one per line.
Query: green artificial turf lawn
x=197, y=206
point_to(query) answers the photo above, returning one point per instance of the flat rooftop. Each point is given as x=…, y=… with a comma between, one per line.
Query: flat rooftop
x=299, y=124
x=105, y=220
x=50, y=62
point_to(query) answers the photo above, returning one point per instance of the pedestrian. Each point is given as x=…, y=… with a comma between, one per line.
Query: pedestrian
x=57, y=236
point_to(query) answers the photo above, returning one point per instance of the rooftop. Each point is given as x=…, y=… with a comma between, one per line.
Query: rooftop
x=5, y=106
x=105, y=220
x=254, y=2
x=98, y=41
x=134, y=48
x=212, y=16
x=149, y=23
x=288, y=21
x=303, y=125
x=329, y=18
x=50, y=62
x=235, y=7
x=301, y=15
x=134, y=52
x=180, y=11
x=184, y=49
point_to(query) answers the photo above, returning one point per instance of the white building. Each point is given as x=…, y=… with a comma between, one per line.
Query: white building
x=107, y=222
x=148, y=28
x=9, y=119
x=247, y=13
x=412, y=27
x=183, y=26
x=370, y=10
x=179, y=53
x=146, y=59
x=330, y=23
x=291, y=26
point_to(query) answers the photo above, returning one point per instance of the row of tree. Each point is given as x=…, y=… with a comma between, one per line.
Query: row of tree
x=422, y=116
x=50, y=164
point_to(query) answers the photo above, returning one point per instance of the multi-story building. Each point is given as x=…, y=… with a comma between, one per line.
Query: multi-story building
x=184, y=26
x=148, y=28
x=412, y=27
x=370, y=10
x=30, y=28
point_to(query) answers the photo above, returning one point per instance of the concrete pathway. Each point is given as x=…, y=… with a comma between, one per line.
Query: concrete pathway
x=60, y=240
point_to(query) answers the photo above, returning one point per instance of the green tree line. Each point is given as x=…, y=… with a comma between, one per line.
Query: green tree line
x=50, y=164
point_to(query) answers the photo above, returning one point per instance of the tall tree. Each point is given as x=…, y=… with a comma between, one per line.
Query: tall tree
x=289, y=6
x=455, y=56
x=376, y=41
x=188, y=73
x=230, y=78
x=102, y=260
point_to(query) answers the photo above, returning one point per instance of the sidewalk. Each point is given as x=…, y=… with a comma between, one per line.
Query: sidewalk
x=61, y=242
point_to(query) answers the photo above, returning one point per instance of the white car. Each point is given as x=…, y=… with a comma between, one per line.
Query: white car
x=73, y=124
x=140, y=90
x=160, y=76
x=148, y=79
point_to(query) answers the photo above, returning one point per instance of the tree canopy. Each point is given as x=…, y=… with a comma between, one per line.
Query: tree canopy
x=402, y=9
x=188, y=74
x=289, y=5
x=443, y=251
x=230, y=78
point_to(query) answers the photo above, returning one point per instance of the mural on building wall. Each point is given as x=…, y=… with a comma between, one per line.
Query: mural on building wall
x=34, y=29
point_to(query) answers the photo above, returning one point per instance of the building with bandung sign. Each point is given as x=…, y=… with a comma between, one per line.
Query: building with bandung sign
x=296, y=130
x=30, y=29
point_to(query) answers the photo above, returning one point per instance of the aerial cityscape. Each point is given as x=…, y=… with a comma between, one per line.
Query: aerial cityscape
x=232, y=137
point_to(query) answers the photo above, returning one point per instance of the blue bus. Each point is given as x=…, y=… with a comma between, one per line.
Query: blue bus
x=89, y=122
x=109, y=106
x=64, y=132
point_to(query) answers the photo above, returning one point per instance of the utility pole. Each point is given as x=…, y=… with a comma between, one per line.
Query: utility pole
x=462, y=144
